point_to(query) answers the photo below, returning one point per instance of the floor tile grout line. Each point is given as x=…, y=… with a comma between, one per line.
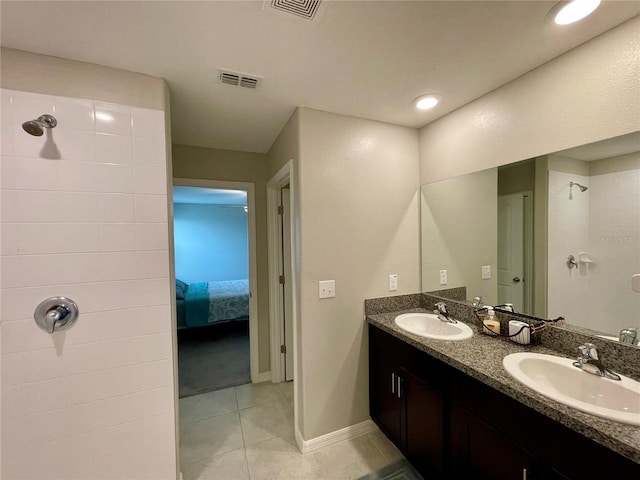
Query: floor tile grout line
x=244, y=445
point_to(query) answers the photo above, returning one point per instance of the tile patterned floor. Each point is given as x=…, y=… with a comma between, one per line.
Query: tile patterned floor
x=246, y=433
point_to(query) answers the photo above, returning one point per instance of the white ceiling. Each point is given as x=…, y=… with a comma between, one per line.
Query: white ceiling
x=360, y=58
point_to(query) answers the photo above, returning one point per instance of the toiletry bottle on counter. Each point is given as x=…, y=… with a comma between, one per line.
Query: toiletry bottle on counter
x=491, y=323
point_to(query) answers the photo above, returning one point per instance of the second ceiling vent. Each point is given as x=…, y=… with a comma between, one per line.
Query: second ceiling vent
x=237, y=79
x=302, y=8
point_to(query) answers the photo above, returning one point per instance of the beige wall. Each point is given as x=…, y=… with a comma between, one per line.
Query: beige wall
x=31, y=72
x=286, y=147
x=359, y=223
x=229, y=165
x=459, y=220
x=590, y=93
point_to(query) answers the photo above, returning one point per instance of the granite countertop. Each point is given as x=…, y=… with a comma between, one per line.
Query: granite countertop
x=481, y=357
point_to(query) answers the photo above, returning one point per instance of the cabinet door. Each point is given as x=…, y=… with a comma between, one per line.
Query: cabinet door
x=480, y=451
x=424, y=424
x=385, y=403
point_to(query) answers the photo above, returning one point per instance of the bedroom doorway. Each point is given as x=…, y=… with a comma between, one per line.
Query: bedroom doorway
x=215, y=265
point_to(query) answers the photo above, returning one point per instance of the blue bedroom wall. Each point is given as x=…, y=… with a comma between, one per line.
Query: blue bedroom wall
x=211, y=243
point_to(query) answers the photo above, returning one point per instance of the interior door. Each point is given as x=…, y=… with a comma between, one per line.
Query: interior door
x=287, y=288
x=511, y=250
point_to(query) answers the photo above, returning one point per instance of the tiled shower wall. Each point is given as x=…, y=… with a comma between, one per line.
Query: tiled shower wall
x=84, y=215
x=604, y=222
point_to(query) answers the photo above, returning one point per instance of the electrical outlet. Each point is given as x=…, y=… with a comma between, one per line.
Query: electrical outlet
x=393, y=282
x=443, y=277
x=486, y=272
x=327, y=289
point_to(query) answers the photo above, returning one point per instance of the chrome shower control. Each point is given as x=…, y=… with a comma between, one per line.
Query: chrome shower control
x=55, y=314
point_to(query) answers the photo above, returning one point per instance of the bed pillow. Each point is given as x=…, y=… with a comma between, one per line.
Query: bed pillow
x=181, y=289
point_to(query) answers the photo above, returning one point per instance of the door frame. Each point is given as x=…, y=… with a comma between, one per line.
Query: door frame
x=249, y=187
x=276, y=306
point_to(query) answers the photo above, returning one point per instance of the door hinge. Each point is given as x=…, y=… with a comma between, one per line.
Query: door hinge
x=283, y=349
x=281, y=279
x=280, y=210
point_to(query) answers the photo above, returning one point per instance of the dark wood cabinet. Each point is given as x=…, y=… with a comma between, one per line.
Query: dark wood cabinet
x=452, y=426
x=405, y=407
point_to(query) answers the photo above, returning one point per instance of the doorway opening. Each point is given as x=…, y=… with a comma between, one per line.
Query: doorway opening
x=214, y=247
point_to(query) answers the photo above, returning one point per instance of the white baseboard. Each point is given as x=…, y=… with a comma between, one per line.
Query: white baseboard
x=362, y=428
x=261, y=377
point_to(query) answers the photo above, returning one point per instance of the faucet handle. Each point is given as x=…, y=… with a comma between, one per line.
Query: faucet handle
x=442, y=308
x=628, y=335
x=588, y=351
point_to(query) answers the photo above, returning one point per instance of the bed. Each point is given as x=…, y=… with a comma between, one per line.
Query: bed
x=206, y=303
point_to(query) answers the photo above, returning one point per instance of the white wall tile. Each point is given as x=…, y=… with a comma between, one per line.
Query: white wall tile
x=28, y=173
x=49, y=238
x=29, y=206
x=29, y=106
x=150, y=208
x=24, y=335
x=115, y=178
x=72, y=226
x=113, y=149
x=148, y=152
x=6, y=138
x=147, y=123
x=75, y=145
x=150, y=180
x=116, y=237
x=25, y=399
x=51, y=363
x=78, y=207
x=114, y=119
x=78, y=419
x=116, y=207
x=152, y=236
x=74, y=114
x=152, y=264
x=104, y=453
x=19, y=303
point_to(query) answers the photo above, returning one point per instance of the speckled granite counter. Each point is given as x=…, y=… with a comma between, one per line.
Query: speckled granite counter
x=481, y=356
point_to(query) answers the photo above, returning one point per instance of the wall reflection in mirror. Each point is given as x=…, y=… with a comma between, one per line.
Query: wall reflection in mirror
x=555, y=235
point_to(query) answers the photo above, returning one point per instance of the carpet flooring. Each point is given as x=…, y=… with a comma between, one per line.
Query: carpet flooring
x=213, y=357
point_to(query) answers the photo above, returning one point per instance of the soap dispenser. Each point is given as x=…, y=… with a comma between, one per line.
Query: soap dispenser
x=491, y=323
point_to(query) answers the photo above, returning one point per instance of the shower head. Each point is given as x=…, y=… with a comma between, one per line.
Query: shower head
x=36, y=127
x=582, y=187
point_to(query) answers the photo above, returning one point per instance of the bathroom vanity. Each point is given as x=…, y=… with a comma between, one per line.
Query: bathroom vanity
x=455, y=413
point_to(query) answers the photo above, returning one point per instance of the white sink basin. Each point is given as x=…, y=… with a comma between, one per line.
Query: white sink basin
x=430, y=326
x=556, y=378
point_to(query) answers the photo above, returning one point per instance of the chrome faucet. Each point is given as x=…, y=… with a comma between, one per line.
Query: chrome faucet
x=443, y=314
x=478, y=302
x=628, y=336
x=589, y=362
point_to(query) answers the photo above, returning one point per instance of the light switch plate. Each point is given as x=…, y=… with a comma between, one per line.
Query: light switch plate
x=326, y=289
x=393, y=282
x=443, y=277
x=486, y=272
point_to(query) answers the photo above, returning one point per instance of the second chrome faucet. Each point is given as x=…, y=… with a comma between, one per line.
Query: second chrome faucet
x=589, y=361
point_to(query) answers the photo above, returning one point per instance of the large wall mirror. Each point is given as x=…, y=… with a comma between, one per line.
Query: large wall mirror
x=555, y=235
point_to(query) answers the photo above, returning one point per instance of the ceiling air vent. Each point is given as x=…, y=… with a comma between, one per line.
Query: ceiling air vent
x=302, y=8
x=239, y=79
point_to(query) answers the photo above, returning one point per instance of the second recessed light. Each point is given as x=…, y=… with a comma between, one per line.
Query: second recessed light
x=425, y=102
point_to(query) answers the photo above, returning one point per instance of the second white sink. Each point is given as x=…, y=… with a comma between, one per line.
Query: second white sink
x=557, y=378
x=430, y=326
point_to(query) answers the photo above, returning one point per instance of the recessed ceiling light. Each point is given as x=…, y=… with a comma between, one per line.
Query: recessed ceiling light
x=425, y=102
x=565, y=13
